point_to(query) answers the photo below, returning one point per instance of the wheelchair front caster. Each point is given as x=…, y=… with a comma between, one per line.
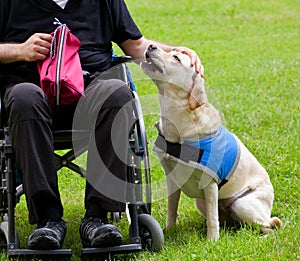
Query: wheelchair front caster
x=150, y=232
x=4, y=237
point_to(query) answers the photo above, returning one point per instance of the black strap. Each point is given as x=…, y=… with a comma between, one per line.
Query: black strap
x=181, y=151
x=223, y=182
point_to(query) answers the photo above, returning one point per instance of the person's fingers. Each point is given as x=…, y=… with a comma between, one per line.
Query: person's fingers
x=195, y=60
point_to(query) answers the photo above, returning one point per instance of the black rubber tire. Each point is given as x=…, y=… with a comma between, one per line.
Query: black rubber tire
x=150, y=232
x=4, y=236
x=3, y=242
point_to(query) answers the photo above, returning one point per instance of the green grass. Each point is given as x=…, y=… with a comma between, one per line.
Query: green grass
x=251, y=54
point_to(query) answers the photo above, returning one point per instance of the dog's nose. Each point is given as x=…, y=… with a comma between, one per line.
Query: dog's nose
x=152, y=47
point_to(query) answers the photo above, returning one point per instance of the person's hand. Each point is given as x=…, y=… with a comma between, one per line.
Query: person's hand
x=36, y=47
x=195, y=60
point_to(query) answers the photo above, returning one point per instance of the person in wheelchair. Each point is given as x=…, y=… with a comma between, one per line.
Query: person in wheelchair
x=25, y=28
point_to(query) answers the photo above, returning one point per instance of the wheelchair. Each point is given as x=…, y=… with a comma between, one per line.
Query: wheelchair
x=145, y=232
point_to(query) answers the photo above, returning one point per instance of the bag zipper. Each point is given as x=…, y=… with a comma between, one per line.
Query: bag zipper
x=59, y=61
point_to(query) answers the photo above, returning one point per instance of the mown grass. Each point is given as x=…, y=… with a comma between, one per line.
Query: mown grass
x=250, y=51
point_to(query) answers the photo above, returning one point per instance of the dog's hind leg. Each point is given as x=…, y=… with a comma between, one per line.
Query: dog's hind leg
x=254, y=207
x=201, y=206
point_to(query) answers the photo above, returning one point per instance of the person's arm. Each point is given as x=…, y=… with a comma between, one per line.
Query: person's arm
x=137, y=48
x=35, y=48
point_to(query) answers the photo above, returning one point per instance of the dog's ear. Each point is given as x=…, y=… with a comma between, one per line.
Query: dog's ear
x=197, y=95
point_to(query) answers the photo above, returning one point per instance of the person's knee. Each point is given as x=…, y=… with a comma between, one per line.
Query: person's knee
x=119, y=98
x=102, y=97
x=112, y=93
x=27, y=101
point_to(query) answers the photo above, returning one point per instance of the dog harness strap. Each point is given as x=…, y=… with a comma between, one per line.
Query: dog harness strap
x=223, y=182
x=181, y=151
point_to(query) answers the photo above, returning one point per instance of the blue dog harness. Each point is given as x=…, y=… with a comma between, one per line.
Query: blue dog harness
x=216, y=155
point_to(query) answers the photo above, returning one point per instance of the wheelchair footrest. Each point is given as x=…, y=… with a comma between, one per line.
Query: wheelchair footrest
x=122, y=249
x=43, y=254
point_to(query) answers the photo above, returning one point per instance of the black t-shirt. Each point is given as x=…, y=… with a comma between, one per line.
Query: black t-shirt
x=96, y=23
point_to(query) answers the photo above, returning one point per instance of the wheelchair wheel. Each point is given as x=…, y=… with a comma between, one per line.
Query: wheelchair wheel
x=4, y=237
x=151, y=234
x=3, y=242
x=141, y=164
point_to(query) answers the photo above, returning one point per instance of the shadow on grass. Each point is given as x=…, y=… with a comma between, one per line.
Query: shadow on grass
x=189, y=229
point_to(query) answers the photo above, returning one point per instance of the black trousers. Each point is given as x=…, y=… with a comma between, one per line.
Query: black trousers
x=106, y=110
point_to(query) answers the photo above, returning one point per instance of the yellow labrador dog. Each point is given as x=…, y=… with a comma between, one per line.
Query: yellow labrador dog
x=199, y=155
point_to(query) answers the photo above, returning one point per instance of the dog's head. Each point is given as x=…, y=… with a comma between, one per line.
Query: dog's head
x=174, y=68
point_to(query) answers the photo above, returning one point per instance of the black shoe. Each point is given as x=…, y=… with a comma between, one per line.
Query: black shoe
x=48, y=235
x=95, y=233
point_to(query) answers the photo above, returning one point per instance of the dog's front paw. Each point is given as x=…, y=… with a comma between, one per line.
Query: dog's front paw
x=170, y=225
x=213, y=234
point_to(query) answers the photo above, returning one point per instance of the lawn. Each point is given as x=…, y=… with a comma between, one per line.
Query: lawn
x=251, y=54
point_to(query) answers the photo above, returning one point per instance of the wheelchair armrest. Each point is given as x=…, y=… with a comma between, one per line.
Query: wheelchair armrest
x=121, y=59
x=125, y=58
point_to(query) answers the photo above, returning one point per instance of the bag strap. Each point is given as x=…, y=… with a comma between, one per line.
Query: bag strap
x=53, y=47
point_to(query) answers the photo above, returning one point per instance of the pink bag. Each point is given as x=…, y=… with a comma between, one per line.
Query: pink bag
x=61, y=75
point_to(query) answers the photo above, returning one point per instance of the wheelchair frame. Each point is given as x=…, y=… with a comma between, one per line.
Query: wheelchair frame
x=144, y=231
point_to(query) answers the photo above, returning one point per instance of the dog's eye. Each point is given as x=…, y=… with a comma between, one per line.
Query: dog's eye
x=177, y=58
